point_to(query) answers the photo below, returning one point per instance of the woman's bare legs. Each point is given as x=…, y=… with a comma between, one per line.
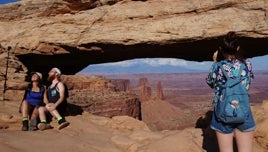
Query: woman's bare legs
x=25, y=109
x=25, y=115
x=35, y=113
x=33, y=119
x=244, y=140
x=225, y=141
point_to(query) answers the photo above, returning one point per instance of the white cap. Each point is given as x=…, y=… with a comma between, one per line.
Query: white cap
x=57, y=70
x=37, y=73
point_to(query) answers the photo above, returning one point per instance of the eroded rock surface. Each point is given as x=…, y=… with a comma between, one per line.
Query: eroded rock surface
x=74, y=34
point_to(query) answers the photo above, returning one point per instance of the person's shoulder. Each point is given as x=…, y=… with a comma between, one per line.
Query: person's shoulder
x=218, y=64
x=60, y=84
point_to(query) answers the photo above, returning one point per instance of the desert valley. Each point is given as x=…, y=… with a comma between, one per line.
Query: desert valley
x=189, y=90
x=179, y=121
x=164, y=112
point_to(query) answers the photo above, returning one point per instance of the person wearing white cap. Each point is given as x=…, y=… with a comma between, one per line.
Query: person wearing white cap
x=56, y=102
x=32, y=100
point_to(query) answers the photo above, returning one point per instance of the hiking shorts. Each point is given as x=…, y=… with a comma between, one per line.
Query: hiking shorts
x=35, y=104
x=62, y=107
x=248, y=125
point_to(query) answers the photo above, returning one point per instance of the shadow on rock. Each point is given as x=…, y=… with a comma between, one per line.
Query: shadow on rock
x=73, y=110
x=210, y=143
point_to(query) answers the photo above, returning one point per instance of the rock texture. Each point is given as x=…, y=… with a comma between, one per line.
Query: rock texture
x=118, y=134
x=100, y=96
x=106, y=103
x=83, y=29
x=72, y=34
x=144, y=89
x=159, y=91
x=120, y=84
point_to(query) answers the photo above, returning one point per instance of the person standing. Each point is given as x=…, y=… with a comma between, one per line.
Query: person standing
x=55, y=100
x=32, y=101
x=232, y=62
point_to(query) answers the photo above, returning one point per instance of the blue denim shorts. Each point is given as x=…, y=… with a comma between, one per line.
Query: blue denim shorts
x=248, y=125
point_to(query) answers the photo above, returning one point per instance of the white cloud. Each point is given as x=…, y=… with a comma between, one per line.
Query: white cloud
x=149, y=61
x=165, y=61
x=126, y=63
x=259, y=63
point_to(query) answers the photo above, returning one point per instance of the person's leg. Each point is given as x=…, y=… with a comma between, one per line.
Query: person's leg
x=42, y=114
x=43, y=121
x=35, y=113
x=225, y=142
x=25, y=109
x=25, y=115
x=33, y=120
x=244, y=140
x=61, y=120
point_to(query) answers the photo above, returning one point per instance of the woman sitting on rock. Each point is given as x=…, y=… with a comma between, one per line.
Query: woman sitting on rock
x=32, y=100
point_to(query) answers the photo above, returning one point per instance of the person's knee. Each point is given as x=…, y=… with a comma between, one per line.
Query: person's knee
x=51, y=110
x=35, y=113
x=41, y=109
x=24, y=104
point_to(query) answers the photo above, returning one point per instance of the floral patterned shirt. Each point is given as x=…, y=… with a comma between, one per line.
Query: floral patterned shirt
x=216, y=78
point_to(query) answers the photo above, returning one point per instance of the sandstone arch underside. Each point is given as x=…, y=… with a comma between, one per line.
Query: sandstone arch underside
x=74, y=62
x=74, y=34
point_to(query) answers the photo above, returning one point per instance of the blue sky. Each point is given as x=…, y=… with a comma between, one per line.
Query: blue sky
x=163, y=65
x=7, y=1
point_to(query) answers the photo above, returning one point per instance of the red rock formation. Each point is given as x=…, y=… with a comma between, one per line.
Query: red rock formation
x=120, y=84
x=79, y=82
x=101, y=96
x=143, y=81
x=159, y=91
x=106, y=103
x=145, y=90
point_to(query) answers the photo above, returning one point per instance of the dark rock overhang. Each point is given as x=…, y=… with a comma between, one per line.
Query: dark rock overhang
x=77, y=59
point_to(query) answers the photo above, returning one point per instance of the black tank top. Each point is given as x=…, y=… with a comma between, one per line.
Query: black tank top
x=53, y=94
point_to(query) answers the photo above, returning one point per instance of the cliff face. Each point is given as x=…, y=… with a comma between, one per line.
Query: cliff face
x=72, y=34
x=106, y=103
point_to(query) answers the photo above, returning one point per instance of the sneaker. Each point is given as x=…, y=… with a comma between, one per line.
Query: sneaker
x=62, y=124
x=33, y=125
x=43, y=126
x=25, y=125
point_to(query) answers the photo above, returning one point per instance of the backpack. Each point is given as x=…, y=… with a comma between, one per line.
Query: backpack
x=233, y=91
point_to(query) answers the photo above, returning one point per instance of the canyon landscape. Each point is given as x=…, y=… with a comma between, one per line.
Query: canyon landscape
x=105, y=116
x=125, y=113
x=187, y=91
